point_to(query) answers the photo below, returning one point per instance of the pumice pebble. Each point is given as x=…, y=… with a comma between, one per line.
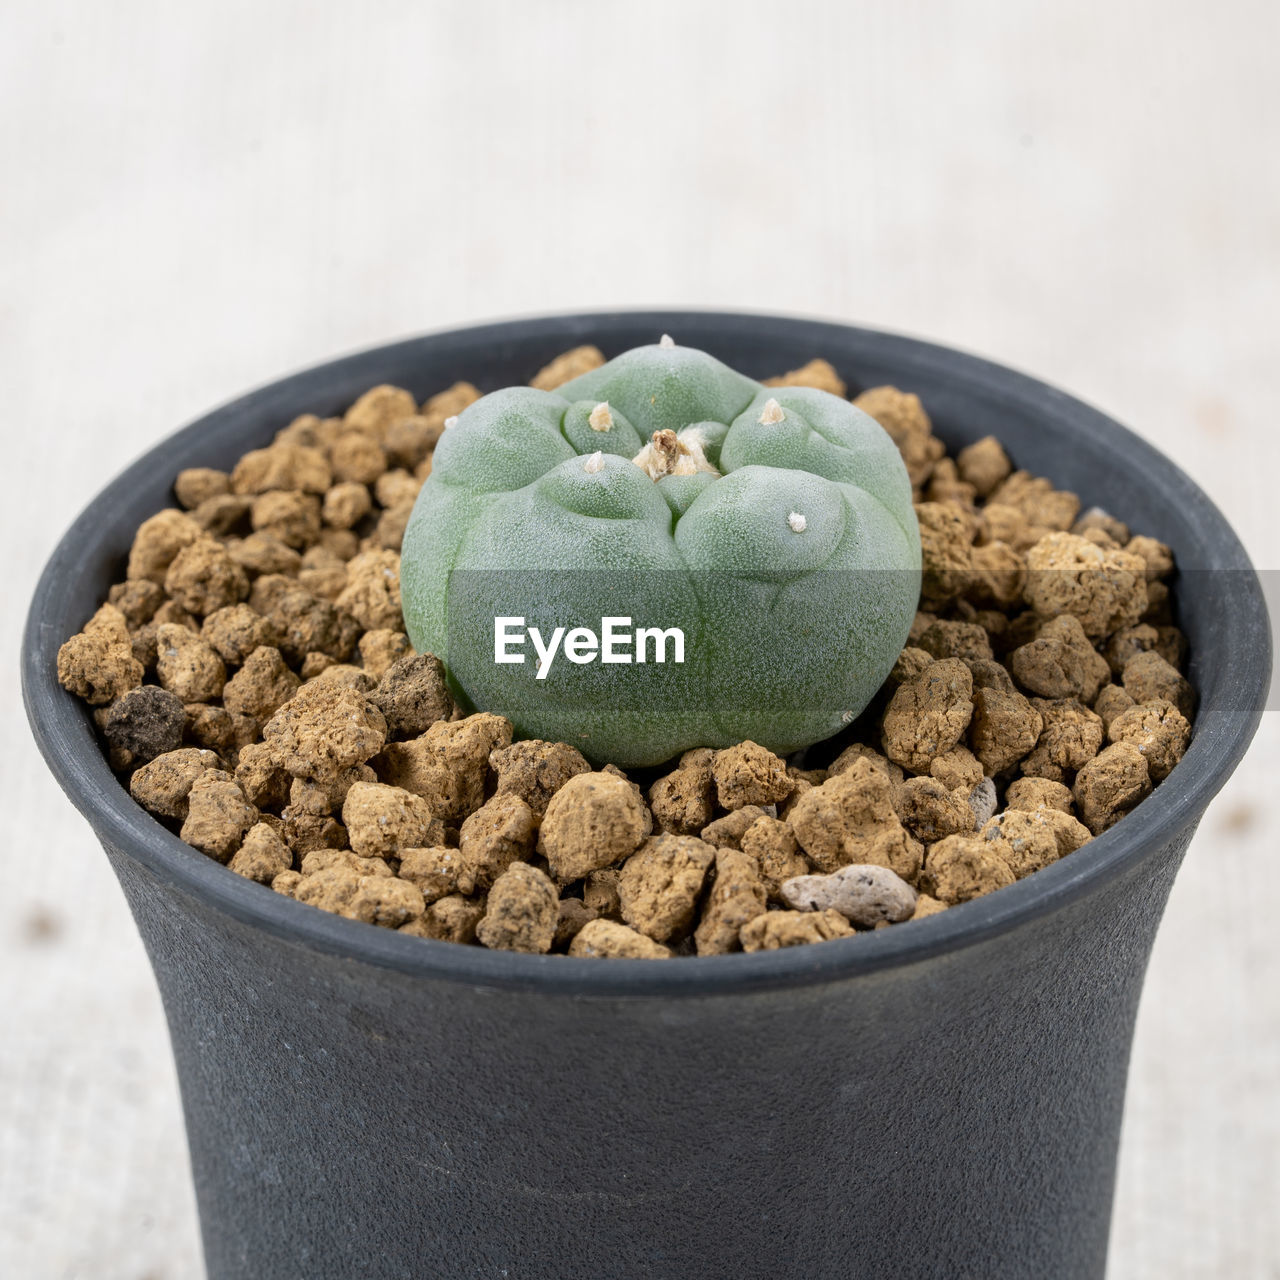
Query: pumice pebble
x=983, y=800
x=864, y=895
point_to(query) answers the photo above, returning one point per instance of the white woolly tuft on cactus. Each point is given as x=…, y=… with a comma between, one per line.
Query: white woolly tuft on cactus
x=670, y=453
x=771, y=413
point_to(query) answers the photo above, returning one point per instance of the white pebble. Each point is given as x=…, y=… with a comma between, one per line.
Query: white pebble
x=865, y=895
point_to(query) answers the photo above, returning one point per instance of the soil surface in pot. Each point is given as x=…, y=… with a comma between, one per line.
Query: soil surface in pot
x=256, y=691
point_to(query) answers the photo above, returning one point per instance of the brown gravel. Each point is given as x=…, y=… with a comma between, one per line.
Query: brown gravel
x=255, y=688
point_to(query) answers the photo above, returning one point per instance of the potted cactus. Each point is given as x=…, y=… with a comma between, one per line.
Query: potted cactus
x=937, y=1099
x=768, y=531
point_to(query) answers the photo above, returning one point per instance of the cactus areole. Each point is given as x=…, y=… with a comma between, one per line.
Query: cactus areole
x=566, y=540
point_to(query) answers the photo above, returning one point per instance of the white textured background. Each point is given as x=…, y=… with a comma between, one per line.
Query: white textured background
x=197, y=197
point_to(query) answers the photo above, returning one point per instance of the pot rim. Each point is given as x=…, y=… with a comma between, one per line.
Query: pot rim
x=1224, y=725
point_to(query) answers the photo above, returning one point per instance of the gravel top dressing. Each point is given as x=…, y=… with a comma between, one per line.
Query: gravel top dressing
x=960, y=712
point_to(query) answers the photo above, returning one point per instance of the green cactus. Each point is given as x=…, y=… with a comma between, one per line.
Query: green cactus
x=773, y=527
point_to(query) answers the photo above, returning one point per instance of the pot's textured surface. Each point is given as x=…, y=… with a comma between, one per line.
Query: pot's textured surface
x=938, y=1100
x=954, y=1117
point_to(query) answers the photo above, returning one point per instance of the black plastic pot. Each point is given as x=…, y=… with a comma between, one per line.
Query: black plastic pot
x=942, y=1099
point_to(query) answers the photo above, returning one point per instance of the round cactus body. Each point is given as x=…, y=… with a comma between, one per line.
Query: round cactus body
x=660, y=493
